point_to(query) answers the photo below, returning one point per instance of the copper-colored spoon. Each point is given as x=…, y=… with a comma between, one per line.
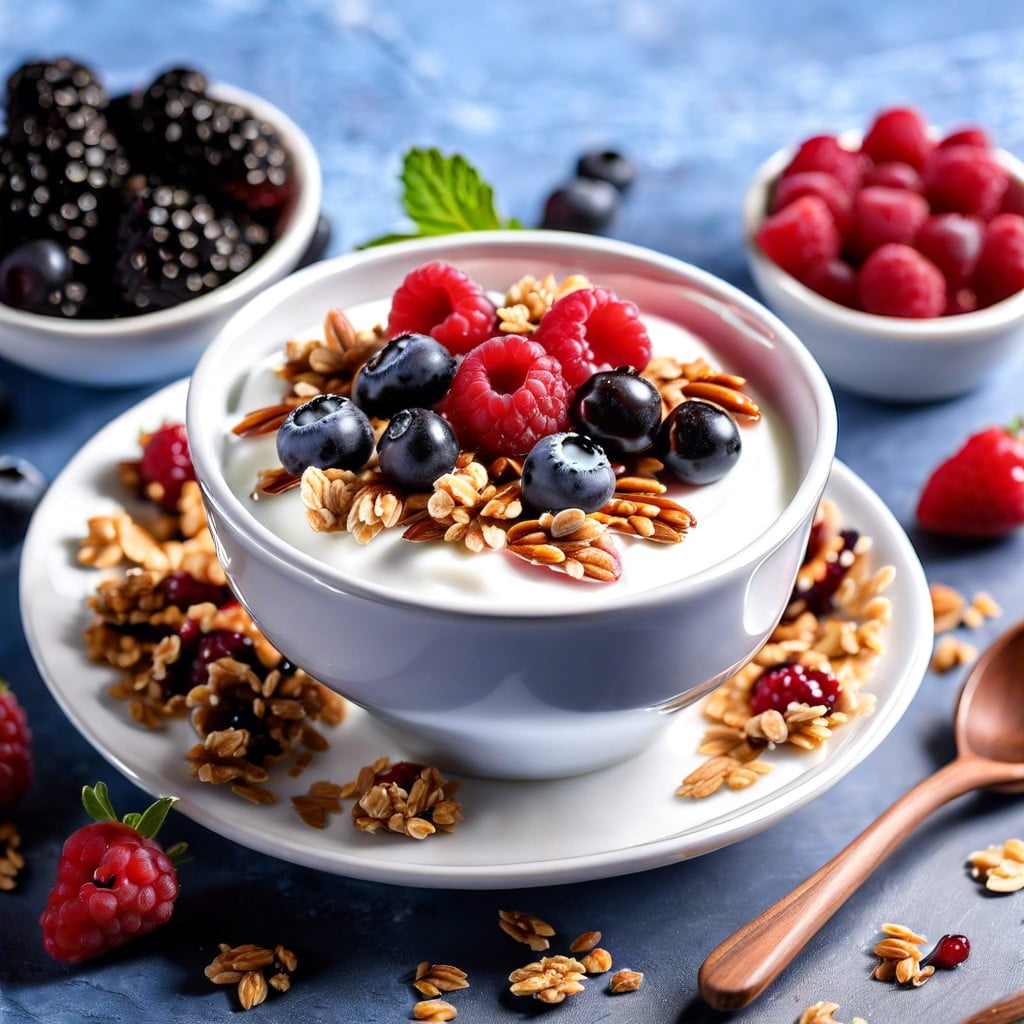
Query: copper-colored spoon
x=990, y=755
x=1006, y=1011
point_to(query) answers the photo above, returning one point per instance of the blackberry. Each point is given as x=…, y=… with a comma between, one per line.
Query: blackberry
x=173, y=245
x=44, y=96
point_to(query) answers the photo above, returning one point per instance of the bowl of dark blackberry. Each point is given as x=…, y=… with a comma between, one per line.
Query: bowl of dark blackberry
x=133, y=226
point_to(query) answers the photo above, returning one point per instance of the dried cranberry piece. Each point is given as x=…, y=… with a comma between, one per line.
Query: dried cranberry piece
x=818, y=596
x=219, y=644
x=403, y=774
x=789, y=683
x=183, y=590
x=949, y=952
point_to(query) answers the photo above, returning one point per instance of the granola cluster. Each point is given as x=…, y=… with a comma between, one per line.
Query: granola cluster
x=951, y=611
x=825, y=1013
x=900, y=956
x=835, y=623
x=247, y=967
x=999, y=868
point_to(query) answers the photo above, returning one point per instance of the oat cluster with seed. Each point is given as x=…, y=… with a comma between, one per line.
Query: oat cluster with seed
x=11, y=858
x=845, y=641
x=248, y=967
x=999, y=868
x=900, y=956
x=529, y=299
x=951, y=611
x=824, y=1013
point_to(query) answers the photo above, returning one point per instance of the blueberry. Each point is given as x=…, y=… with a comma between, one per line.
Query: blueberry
x=607, y=165
x=417, y=447
x=567, y=471
x=410, y=370
x=31, y=272
x=699, y=442
x=581, y=204
x=619, y=409
x=21, y=487
x=329, y=432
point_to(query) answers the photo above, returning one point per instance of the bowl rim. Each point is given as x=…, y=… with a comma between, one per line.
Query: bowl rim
x=285, y=250
x=964, y=328
x=265, y=545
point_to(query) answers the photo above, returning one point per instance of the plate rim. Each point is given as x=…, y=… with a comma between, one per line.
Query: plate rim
x=644, y=855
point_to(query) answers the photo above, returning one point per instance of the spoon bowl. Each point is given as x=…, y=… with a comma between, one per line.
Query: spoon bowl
x=989, y=728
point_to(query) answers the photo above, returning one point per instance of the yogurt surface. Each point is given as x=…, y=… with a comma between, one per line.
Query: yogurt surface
x=730, y=513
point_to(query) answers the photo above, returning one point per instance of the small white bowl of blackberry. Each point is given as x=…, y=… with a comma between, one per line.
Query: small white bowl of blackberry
x=132, y=227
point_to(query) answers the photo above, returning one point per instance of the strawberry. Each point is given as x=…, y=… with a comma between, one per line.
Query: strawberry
x=979, y=491
x=114, y=882
x=15, y=750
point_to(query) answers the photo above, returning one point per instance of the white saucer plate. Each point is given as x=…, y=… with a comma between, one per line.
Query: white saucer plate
x=515, y=834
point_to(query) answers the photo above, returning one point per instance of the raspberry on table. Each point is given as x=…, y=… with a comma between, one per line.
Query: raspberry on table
x=590, y=331
x=824, y=153
x=965, y=179
x=800, y=236
x=896, y=280
x=166, y=465
x=440, y=300
x=507, y=394
x=15, y=750
x=999, y=272
x=884, y=215
x=815, y=183
x=901, y=134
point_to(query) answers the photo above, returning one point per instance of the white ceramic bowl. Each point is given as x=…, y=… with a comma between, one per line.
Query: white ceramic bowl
x=513, y=691
x=900, y=360
x=167, y=343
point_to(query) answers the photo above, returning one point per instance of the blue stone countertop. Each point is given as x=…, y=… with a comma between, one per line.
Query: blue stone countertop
x=699, y=95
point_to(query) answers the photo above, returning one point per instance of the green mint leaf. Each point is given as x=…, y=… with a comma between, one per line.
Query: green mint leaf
x=445, y=195
x=387, y=240
x=96, y=801
x=153, y=817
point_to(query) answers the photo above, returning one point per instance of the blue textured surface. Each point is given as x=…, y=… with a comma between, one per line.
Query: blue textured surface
x=699, y=95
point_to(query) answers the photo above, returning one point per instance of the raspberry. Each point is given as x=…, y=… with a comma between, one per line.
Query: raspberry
x=824, y=153
x=507, y=394
x=899, y=133
x=15, y=750
x=166, y=465
x=884, y=215
x=440, y=300
x=965, y=179
x=590, y=331
x=972, y=135
x=791, y=683
x=952, y=242
x=114, y=882
x=835, y=280
x=894, y=175
x=999, y=272
x=815, y=183
x=896, y=280
x=800, y=236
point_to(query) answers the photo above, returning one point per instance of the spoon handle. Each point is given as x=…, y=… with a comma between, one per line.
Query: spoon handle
x=747, y=962
x=1006, y=1011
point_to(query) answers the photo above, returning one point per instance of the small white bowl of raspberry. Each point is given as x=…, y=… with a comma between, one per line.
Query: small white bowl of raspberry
x=897, y=256
x=120, y=275
x=485, y=658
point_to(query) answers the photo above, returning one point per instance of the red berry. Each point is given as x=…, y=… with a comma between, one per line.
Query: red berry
x=899, y=133
x=507, y=394
x=824, y=153
x=884, y=215
x=949, y=952
x=800, y=236
x=952, y=242
x=183, y=590
x=402, y=774
x=440, y=300
x=15, y=750
x=790, y=683
x=166, y=464
x=896, y=280
x=972, y=135
x=963, y=300
x=114, y=882
x=1013, y=198
x=591, y=331
x=894, y=175
x=999, y=272
x=835, y=280
x=965, y=179
x=979, y=491
x=815, y=183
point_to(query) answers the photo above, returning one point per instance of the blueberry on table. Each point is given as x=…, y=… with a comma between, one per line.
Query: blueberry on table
x=567, y=471
x=607, y=165
x=31, y=272
x=21, y=487
x=699, y=442
x=417, y=447
x=581, y=204
x=328, y=432
x=619, y=409
x=411, y=370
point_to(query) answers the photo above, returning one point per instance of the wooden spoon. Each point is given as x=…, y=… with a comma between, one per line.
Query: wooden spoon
x=990, y=754
x=1006, y=1011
